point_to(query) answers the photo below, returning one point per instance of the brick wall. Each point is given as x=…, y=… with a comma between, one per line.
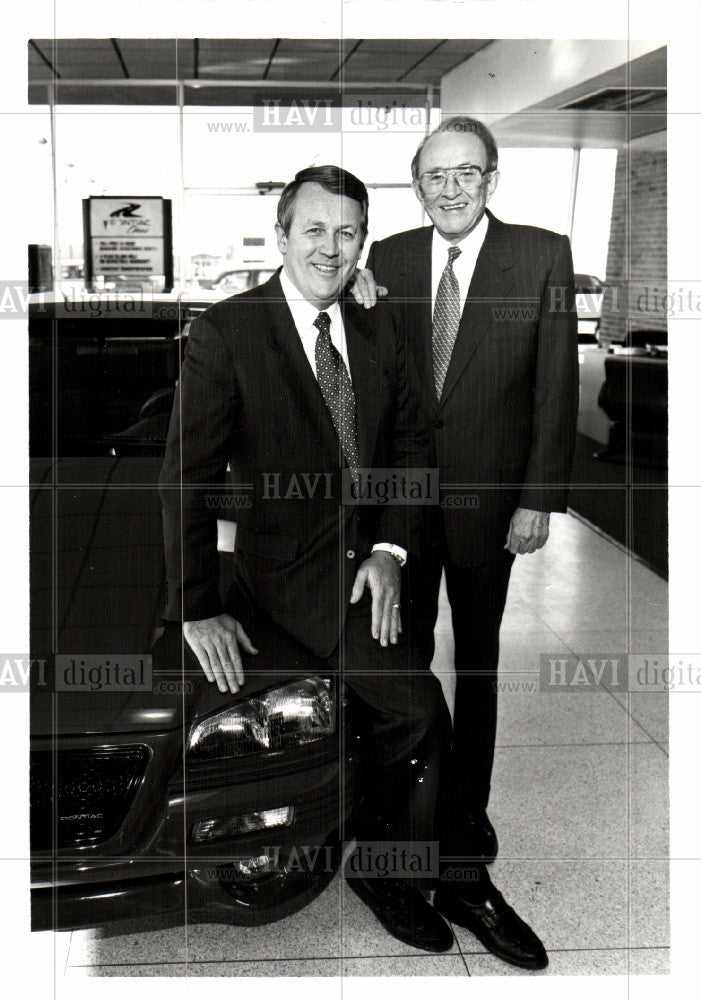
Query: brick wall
x=636, y=270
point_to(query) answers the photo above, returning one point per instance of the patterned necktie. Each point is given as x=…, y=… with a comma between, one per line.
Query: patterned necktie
x=335, y=384
x=446, y=319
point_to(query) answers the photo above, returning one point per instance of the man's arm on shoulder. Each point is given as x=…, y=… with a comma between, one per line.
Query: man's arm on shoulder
x=364, y=288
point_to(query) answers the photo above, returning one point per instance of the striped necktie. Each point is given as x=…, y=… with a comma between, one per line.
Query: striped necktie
x=337, y=390
x=446, y=319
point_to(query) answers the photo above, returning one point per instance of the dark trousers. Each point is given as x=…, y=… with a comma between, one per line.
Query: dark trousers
x=408, y=729
x=403, y=713
x=477, y=596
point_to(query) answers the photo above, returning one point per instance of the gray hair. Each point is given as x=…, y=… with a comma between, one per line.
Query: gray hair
x=461, y=123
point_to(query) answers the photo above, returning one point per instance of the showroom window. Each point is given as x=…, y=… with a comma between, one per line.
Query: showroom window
x=225, y=191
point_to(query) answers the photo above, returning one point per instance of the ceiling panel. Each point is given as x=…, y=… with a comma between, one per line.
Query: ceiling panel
x=323, y=70
x=310, y=59
x=159, y=58
x=38, y=70
x=318, y=44
x=99, y=69
x=234, y=46
x=386, y=59
x=94, y=57
x=363, y=69
x=75, y=46
x=331, y=60
x=412, y=48
x=443, y=59
x=458, y=45
x=234, y=58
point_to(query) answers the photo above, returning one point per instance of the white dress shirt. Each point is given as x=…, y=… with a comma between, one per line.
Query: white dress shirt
x=304, y=314
x=463, y=266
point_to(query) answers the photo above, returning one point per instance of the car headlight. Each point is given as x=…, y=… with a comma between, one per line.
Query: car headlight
x=295, y=713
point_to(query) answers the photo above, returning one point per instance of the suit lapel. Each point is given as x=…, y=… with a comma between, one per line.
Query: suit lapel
x=414, y=269
x=491, y=284
x=366, y=377
x=294, y=366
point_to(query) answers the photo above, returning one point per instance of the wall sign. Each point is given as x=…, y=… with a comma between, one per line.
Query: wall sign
x=128, y=240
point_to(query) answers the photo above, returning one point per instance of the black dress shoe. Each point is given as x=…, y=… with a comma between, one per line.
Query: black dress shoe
x=404, y=912
x=496, y=925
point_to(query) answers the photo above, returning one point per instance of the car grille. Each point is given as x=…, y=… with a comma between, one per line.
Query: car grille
x=80, y=798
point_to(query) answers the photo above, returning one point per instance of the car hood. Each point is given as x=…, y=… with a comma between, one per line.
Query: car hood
x=179, y=695
x=104, y=712
x=70, y=713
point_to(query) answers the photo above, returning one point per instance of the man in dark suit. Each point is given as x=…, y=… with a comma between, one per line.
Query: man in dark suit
x=489, y=312
x=295, y=390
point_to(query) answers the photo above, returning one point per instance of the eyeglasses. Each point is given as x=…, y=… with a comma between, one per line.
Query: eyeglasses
x=468, y=177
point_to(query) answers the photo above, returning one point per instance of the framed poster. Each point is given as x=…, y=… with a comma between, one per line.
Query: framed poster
x=128, y=239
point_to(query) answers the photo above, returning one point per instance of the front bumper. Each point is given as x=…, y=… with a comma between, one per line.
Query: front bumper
x=186, y=894
x=176, y=876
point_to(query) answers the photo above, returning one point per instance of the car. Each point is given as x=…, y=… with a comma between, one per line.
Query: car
x=151, y=792
x=72, y=268
x=236, y=280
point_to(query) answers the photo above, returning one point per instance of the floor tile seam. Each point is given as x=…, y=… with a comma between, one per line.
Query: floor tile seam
x=590, y=743
x=68, y=952
x=639, y=724
x=459, y=946
x=620, y=705
x=460, y=951
x=247, y=961
x=536, y=615
x=464, y=954
x=591, y=859
x=576, y=951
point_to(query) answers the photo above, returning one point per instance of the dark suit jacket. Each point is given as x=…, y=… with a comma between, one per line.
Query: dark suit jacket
x=505, y=425
x=248, y=398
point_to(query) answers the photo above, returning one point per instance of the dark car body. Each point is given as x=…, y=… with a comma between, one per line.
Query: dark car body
x=116, y=790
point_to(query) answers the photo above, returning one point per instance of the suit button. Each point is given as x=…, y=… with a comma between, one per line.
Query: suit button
x=438, y=424
x=350, y=554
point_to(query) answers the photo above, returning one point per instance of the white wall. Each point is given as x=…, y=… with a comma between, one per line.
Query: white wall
x=510, y=75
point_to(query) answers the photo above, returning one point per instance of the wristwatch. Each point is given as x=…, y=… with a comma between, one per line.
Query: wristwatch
x=394, y=550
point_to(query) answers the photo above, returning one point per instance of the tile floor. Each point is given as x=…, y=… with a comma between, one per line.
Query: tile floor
x=579, y=801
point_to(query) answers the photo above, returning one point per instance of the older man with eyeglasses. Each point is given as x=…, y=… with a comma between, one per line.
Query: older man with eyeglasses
x=489, y=313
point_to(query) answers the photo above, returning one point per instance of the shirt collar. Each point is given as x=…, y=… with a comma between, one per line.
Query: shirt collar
x=303, y=312
x=471, y=244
